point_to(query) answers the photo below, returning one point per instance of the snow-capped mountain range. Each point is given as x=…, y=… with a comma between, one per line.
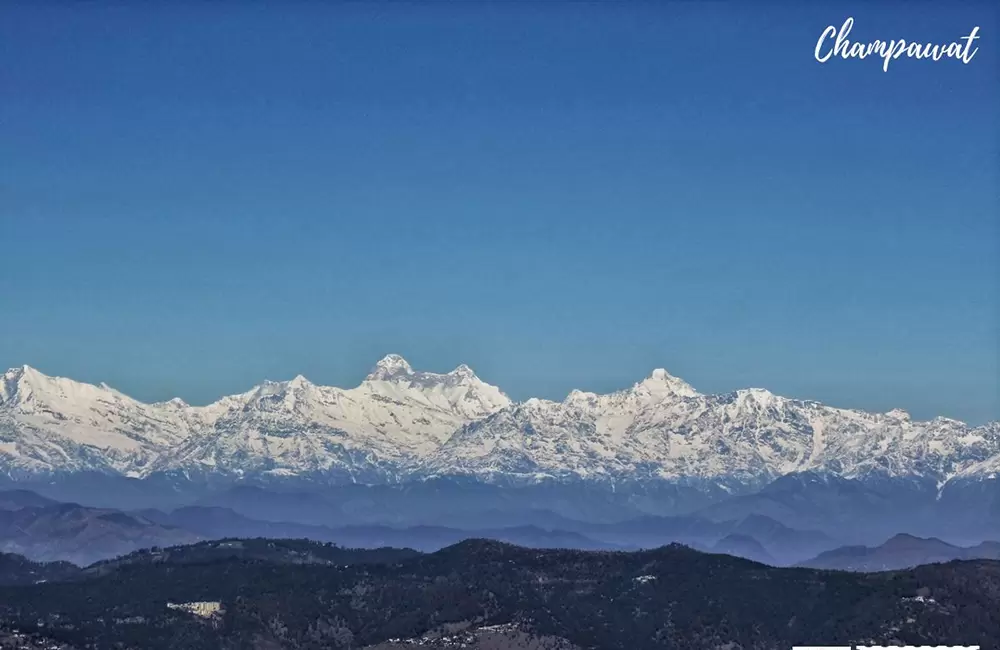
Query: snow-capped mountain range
x=400, y=424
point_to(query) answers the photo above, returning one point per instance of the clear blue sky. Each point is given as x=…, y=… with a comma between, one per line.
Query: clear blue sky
x=561, y=194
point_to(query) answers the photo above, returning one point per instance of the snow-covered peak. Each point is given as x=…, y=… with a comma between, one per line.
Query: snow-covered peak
x=659, y=386
x=299, y=382
x=391, y=366
x=274, y=394
x=9, y=382
x=536, y=404
x=661, y=383
x=29, y=387
x=898, y=414
x=174, y=403
x=581, y=397
x=393, y=374
x=18, y=371
x=459, y=392
x=66, y=425
x=760, y=396
x=463, y=371
x=21, y=381
x=296, y=427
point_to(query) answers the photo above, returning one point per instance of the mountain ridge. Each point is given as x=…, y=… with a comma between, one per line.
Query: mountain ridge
x=401, y=424
x=901, y=551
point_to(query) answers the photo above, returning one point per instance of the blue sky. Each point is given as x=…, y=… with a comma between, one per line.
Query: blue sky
x=562, y=195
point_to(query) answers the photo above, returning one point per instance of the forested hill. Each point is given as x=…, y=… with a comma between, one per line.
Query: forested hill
x=672, y=597
x=273, y=551
x=16, y=570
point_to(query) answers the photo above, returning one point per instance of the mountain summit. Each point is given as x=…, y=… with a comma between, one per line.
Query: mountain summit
x=391, y=366
x=662, y=384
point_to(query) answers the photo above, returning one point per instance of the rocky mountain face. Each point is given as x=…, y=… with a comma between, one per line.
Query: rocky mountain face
x=401, y=424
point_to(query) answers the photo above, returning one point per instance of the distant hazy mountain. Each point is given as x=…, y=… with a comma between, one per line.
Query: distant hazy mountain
x=222, y=522
x=401, y=424
x=848, y=509
x=743, y=546
x=779, y=544
x=453, y=512
x=67, y=531
x=17, y=499
x=786, y=545
x=458, y=503
x=218, y=523
x=900, y=552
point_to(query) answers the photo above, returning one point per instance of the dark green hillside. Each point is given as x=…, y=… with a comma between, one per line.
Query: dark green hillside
x=277, y=551
x=17, y=570
x=672, y=597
